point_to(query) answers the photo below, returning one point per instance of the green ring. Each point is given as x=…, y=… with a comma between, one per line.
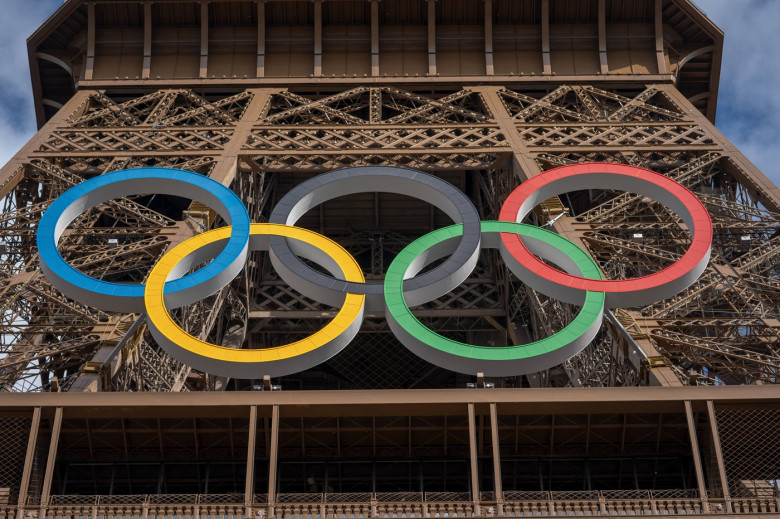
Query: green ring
x=492, y=361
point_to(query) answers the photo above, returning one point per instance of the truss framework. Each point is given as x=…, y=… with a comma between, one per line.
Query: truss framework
x=721, y=330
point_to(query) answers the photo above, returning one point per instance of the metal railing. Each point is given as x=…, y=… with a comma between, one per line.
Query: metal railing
x=389, y=505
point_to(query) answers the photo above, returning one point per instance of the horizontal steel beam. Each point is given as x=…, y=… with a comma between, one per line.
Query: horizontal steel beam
x=513, y=81
x=330, y=314
x=550, y=397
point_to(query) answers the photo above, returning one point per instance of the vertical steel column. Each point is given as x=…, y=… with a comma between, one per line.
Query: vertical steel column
x=659, y=37
x=272, y=468
x=489, y=37
x=374, y=37
x=204, y=40
x=696, y=456
x=90, y=65
x=603, y=63
x=29, y=459
x=431, y=37
x=546, y=66
x=261, y=39
x=497, y=484
x=473, y=457
x=146, y=67
x=55, y=439
x=249, y=488
x=724, y=483
x=317, y=37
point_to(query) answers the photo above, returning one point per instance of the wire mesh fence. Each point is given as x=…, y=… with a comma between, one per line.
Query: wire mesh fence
x=750, y=440
x=14, y=434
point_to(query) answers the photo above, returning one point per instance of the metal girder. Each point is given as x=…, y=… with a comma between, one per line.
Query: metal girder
x=251, y=137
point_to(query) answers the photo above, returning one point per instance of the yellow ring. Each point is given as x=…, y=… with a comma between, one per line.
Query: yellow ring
x=348, y=318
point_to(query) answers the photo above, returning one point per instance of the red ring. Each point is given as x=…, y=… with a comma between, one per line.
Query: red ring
x=696, y=253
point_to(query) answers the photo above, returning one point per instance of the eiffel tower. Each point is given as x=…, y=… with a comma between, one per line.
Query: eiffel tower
x=261, y=95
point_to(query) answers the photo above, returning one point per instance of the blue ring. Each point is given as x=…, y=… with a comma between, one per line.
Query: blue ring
x=126, y=297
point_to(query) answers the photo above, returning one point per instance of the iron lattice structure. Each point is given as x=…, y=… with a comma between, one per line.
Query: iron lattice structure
x=261, y=95
x=484, y=132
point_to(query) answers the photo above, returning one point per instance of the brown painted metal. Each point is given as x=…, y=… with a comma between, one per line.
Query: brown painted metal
x=250, y=456
x=345, y=413
x=54, y=442
x=724, y=482
x=273, y=464
x=691, y=419
x=680, y=16
x=268, y=93
x=473, y=457
x=495, y=448
x=28, y=459
x=533, y=399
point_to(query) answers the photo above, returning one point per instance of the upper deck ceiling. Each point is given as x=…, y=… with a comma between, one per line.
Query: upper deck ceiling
x=137, y=45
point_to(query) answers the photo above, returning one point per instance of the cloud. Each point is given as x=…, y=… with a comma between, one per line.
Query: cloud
x=748, y=106
x=17, y=115
x=748, y=102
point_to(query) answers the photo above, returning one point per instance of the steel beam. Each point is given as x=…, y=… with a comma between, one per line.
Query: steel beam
x=147, y=62
x=204, y=40
x=273, y=461
x=317, y=38
x=249, y=487
x=260, y=39
x=52, y=458
x=474, y=461
x=495, y=447
x=702, y=486
x=489, y=37
x=90, y=61
x=375, y=37
x=546, y=66
x=29, y=458
x=432, y=38
x=603, y=63
x=411, y=82
x=659, y=37
x=724, y=482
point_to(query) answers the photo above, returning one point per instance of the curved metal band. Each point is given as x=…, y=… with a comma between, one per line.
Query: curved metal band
x=423, y=186
x=124, y=297
x=253, y=363
x=620, y=293
x=493, y=361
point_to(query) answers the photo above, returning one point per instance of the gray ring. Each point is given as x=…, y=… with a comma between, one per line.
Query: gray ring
x=367, y=179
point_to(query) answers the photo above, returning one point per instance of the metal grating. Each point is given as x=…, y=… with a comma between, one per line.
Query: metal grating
x=14, y=433
x=378, y=360
x=750, y=439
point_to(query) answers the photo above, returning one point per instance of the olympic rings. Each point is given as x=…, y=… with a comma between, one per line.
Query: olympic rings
x=254, y=363
x=620, y=293
x=123, y=297
x=502, y=361
x=170, y=286
x=386, y=179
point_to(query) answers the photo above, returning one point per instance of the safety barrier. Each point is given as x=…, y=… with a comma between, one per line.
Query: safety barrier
x=387, y=505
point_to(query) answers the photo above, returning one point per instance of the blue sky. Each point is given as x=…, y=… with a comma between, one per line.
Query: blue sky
x=748, y=105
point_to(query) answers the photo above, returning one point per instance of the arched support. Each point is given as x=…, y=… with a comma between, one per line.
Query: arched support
x=54, y=59
x=694, y=54
x=699, y=97
x=52, y=103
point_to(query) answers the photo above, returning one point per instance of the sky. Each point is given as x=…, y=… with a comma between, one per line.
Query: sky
x=748, y=106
